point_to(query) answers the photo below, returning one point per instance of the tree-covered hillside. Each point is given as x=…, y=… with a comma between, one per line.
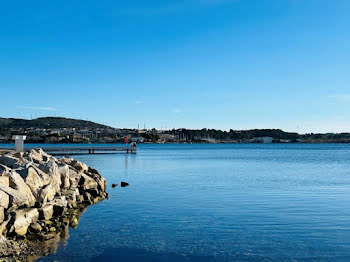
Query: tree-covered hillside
x=48, y=122
x=233, y=134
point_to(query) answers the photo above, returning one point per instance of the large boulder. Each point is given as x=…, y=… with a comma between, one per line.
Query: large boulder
x=74, y=178
x=33, y=178
x=52, y=169
x=19, y=192
x=101, y=181
x=2, y=214
x=22, y=218
x=63, y=170
x=4, y=199
x=37, y=156
x=79, y=166
x=46, y=194
x=4, y=179
x=59, y=206
x=46, y=212
x=71, y=196
x=86, y=182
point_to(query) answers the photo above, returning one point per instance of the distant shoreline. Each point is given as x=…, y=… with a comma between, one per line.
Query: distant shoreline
x=175, y=143
x=53, y=130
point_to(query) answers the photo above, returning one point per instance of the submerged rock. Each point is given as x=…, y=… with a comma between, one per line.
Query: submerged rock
x=39, y=195
x=114, y=185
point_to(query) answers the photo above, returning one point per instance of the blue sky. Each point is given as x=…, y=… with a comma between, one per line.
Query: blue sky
x=223, y=64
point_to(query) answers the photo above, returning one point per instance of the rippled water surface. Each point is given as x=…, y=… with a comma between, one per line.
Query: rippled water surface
x=218, y=203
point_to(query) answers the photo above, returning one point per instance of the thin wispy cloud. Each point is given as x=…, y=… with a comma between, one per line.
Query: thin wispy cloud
x=139, y=102
x=340, y=97
x=42, y=108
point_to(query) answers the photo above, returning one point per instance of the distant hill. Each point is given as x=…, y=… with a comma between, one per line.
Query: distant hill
x=48, y=122
x=234, y=134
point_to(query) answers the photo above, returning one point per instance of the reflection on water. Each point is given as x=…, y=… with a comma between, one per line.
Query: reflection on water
x=50, y=246
x=53, y=240
x=126, y=161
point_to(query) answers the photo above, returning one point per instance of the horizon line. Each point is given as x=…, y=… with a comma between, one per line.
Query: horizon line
x=217, y=129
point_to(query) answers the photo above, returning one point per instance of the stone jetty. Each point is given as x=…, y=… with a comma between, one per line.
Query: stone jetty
x=40, y=196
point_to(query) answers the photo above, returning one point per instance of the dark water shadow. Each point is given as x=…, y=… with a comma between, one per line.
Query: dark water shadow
x=38, y=248
x=135, y=255
x=47, y=247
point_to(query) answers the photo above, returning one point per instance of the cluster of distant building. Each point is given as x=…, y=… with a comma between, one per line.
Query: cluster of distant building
x=81, y=135
x=116, y=135
x=257, y=140
x=70, y=135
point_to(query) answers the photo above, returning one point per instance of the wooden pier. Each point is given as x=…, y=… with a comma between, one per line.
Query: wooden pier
x=81, y=149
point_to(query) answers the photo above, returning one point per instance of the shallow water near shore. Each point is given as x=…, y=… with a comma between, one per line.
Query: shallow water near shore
x=211, y=202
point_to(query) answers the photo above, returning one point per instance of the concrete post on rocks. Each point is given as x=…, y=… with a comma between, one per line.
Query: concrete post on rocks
x=19, y=142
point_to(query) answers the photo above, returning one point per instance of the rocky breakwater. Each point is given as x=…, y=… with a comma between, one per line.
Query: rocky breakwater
x=40, y=196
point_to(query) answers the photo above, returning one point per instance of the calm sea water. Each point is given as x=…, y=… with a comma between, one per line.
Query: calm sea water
x=218, y=203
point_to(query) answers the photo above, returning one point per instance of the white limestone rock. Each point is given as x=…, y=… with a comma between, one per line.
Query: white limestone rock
x=46, y=212
x=38, y=188
x=19, y=192
x=79, y=166
x=22, y=218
